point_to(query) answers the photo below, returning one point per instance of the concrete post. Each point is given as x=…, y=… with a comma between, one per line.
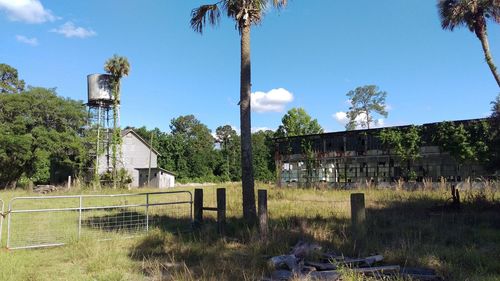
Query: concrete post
x=358, y=217
x=263, y=215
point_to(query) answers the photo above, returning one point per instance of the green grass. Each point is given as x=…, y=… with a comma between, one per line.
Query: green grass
x=406, y=227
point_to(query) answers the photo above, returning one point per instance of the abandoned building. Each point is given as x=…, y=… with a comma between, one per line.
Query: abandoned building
x=359, y=156
x=140, y=160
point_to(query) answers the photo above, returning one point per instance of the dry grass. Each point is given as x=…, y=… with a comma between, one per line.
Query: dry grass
x=404, y=226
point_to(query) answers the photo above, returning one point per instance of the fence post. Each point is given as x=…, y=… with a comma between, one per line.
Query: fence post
x=198, y=207
x=221, y=210
x=263, y=215
x=9, y=214
x=358, y=217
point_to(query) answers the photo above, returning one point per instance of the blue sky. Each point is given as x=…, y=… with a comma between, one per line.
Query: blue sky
x=308, y=55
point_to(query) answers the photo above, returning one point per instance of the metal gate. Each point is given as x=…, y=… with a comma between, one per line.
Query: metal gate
x=46, y=221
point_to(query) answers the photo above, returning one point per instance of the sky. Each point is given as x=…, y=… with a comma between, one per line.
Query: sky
x=308, y=55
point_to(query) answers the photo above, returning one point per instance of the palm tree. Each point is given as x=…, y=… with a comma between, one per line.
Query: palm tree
x=118, y=67
x=245, y=13
x=473, y=14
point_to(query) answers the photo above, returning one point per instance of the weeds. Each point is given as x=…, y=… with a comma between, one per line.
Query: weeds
x=461, y=245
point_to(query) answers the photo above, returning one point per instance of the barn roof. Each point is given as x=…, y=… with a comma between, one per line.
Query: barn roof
x=156, y=168
x=130, y=131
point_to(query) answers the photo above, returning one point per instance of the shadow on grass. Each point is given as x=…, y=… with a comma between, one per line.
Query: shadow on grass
x=460, y=245
x=208, y=256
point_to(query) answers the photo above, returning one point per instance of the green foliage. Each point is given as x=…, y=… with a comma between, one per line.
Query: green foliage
x=40, y=131
x=195, y=158
x=464, y=143
x=123, y=178
x=118, y=67
x=405, y=143
x=9, y=80
x=243, y=12
x=189, y=151
x=494, y=163
x=470, y=13
x=297, y=122
x=263, y=160
x=229, y=167
x=365, y=101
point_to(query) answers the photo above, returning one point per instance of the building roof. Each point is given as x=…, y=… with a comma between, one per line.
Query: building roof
x=127, y=131
x=156, y=168
x=372, y=130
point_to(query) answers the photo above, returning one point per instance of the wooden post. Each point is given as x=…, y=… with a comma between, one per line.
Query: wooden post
x=69, y=182
x=263, y=216
x=358, y=217
x=221, y=210
x=198, y=207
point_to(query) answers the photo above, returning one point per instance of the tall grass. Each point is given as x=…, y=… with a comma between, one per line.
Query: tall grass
x=410, y=228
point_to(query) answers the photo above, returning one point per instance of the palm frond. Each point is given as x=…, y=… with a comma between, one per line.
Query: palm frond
x=117, y=66
x=200, y=15
x=234, y=8
x=451, y=14
x=471, y=13
x=280, y=3
x=494, y=10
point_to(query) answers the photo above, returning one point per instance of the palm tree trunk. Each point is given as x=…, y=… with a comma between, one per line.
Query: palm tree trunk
x=481, y=34
x=249, y=212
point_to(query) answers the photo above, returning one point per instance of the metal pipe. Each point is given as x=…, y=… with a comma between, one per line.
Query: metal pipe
x=37, y=246
x=98, y=207
x=8, y=224
x=147, y=212
x=80, y=217
x=100, y=195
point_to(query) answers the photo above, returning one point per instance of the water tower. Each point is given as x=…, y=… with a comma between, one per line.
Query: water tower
x=100, y=105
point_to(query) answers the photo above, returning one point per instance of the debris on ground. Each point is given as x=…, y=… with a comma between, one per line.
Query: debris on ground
x=307, y=262
x=43, y=189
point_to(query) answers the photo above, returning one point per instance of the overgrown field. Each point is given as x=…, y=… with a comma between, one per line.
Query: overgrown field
x=407, y=227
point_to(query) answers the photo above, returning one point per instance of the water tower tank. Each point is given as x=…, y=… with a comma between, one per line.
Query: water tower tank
x=99, y=89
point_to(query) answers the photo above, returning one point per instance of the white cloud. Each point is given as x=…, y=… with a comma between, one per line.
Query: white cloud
x=29, y=11
x=258, y=129
x=30, y=41
x=342, y=119
x=69, y=29
x=272, y=101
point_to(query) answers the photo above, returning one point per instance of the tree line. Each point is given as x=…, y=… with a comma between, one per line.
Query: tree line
x=196, y=154
x=44, y=139
x=41, y=139
x=454, y=13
